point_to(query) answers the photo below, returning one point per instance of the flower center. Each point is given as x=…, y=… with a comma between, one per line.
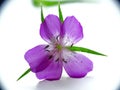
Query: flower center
x=59, y=47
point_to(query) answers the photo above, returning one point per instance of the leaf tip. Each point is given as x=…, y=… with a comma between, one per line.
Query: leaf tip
x=25, y=73
x=18, y=79
x=105, y=55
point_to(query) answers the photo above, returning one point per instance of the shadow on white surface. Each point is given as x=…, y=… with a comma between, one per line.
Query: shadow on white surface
x=66, y=84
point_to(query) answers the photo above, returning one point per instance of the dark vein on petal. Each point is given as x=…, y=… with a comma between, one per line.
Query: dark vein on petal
x=48, y=50
x=50, y=57
x=46, y=46
x=64, y=60
x=57, y=60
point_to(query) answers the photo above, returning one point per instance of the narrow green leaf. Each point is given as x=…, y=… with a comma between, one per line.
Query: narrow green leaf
x=49, y=3
x=25, y=73
x=37, y=3
x=82, y=49
x=60, y=13
x=42, y=16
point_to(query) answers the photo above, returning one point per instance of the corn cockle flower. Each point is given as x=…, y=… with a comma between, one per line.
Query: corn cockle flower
x=47, y=61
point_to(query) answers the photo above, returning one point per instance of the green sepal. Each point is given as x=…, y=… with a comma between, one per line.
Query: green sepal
x=60, y=13
x=25, y=73
x=82, y=49
x=42, y=15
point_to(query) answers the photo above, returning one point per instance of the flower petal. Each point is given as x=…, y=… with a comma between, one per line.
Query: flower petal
x=50, y=28
x=52, y=72
x=38, y=58
x=72, y=30
x=78, y=66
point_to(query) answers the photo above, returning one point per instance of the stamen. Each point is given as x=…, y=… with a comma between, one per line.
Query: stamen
x=57, y=38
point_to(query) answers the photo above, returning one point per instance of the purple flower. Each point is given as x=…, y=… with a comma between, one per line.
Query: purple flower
x=47, y=61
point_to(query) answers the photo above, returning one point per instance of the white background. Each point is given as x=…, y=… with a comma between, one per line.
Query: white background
x=19, y=31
